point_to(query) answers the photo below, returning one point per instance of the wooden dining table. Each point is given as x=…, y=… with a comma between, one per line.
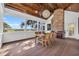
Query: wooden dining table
x=46, y=38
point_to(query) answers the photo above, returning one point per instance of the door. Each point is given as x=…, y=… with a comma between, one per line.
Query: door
x=71, y=30
x=71, y=24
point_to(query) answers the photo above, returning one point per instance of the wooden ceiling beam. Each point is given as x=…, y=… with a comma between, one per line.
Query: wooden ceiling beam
x=52, y=6
x=27, y=9
x=14, y=7
x=23, y=8
x=73, y=7
x=33, y=6
x=63, y=5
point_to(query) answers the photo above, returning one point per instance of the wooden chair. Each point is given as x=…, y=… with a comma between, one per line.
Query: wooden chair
x=47, y=40
x=52, y=37
x=40, y=38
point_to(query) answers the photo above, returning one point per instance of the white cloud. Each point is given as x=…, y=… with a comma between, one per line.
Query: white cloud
x=15, y=26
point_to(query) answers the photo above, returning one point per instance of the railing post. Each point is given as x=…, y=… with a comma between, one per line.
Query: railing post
x=1, y=23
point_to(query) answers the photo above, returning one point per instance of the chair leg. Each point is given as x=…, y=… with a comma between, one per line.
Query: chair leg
x=42, y=44
x=49, y=44
x=46, y=43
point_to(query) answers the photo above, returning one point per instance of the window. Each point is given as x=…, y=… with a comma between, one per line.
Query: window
x=43, y=28
x=48, y=27
x=31, y=25
x=12, y=24
x=71, y=28
x=34, y=25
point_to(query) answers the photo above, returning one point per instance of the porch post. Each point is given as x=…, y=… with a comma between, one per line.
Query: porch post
x=25, y=25
x=1, y=23
x=37, y=26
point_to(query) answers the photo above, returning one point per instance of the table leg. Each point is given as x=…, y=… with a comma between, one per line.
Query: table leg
x=36, y=40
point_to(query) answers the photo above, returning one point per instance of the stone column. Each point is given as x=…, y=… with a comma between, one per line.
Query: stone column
x=58, y=20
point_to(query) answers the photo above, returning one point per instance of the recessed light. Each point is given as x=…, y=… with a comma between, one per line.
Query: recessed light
x=36, y=11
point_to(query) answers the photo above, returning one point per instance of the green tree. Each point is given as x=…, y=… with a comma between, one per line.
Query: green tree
x=6, y=25
x=22, y=25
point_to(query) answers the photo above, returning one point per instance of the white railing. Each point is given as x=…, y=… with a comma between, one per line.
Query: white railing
x=14, y=36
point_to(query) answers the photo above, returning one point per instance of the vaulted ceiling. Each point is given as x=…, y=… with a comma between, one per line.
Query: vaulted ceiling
x=36, y=9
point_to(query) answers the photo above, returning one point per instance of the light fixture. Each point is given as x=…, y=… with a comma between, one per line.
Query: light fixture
x=46, y=13
x=36, y=11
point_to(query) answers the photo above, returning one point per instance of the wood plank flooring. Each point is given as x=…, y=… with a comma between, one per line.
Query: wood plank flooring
x=61, y=47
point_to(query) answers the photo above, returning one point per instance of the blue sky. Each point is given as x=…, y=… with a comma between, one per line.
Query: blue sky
x=14, y=22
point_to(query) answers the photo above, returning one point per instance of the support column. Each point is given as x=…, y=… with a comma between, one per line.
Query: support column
x=25, y=25
x=1, y=23
x=58, y=20
x=37, y=27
